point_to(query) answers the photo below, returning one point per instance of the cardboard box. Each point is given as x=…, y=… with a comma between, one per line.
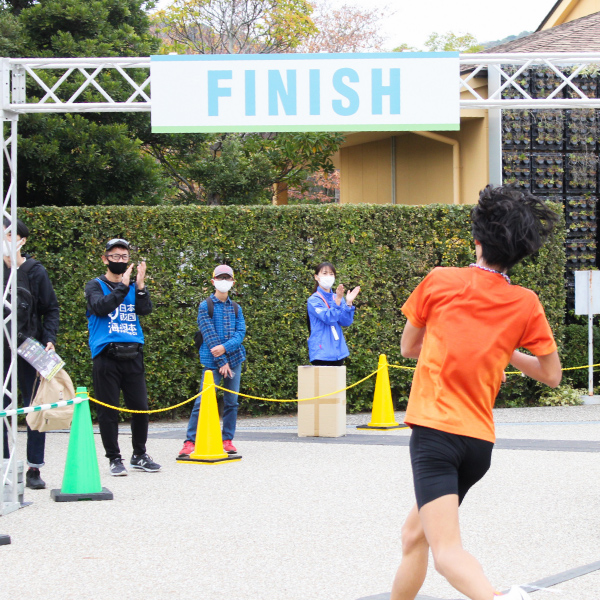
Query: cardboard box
x=325, y=417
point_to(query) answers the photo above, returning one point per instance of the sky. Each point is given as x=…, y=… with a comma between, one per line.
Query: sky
x=487, y=20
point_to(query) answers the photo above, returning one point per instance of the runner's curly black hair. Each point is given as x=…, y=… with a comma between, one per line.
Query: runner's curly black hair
x=510, y=224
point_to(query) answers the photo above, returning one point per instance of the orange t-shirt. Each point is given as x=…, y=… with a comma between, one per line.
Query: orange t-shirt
x=474, y=321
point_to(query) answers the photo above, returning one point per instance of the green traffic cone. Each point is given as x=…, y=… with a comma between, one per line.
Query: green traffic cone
x=81, y=480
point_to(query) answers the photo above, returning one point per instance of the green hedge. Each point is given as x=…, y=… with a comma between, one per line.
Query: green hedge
x=386, y=250
x=575, y=353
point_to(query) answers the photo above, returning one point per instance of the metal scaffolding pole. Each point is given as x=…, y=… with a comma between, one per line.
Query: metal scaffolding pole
x=8, y=285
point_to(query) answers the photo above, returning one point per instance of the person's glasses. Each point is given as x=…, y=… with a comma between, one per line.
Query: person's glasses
x=118, y=257
x=224, y=277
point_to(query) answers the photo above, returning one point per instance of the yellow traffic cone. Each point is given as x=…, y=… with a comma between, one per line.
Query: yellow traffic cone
x=209, y=443
x=382, y=414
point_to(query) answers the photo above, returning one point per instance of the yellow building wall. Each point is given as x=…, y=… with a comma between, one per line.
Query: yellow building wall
x=366, y=174
x=569, y=10
x=423, y=171
x=474, y=157
x=424, y=167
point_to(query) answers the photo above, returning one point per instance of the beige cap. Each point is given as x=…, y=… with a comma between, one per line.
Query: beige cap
x=223, y=270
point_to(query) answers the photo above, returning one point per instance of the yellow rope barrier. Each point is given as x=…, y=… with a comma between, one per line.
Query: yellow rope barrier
x=148, y=412
x=507, y=372
x=159, y=410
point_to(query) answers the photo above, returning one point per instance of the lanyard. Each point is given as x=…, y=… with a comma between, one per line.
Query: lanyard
x=322, y=298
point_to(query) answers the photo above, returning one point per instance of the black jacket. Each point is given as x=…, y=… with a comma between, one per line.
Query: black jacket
x=101, y=305
x=46, y=303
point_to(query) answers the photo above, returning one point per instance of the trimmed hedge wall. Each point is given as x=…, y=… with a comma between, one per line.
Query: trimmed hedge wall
x=386, y=250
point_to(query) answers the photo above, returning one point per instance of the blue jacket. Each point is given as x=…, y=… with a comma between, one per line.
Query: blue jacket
x=326, y=341
x=224, y=328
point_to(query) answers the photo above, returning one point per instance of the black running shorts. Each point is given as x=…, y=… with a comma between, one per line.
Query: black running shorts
x=445, y=463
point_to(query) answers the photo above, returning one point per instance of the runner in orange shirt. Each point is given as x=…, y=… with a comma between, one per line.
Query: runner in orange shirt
x=464, y=327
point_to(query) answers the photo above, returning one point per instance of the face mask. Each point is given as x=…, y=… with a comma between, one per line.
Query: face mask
x=327, y=281
x=117, y=268
x=6, y=248
x=223, y=286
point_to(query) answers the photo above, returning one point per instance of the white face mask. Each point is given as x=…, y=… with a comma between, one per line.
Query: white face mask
x=223, y=286
x=327, y=281
x=6, y=248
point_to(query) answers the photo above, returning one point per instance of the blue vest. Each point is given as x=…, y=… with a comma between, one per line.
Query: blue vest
x=122, y=325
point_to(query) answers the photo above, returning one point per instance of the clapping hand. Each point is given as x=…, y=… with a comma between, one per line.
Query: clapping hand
x=141, y=275
x=350, y=296
x=127, y=275
x=339, y=294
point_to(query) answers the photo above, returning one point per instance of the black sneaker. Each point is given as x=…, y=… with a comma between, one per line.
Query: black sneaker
x=117, y=468
x=143, y=462
x=33, y=479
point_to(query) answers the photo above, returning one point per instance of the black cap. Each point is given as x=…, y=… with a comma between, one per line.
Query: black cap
x=22, y=229
x=117, y=242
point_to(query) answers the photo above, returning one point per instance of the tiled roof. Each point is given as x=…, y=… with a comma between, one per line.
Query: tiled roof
x=580, y=35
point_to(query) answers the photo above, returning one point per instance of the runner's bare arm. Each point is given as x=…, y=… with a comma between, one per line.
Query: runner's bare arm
x=545, y=369
x=412, y=340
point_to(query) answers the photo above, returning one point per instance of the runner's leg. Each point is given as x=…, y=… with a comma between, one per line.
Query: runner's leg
x=441, y=526
x=415, y=555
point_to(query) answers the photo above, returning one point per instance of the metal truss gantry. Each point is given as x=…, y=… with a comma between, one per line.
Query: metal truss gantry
x=80, y=85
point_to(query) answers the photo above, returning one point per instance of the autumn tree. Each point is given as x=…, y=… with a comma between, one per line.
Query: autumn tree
x=320, y=188
x=348, y=28
x=234, y=26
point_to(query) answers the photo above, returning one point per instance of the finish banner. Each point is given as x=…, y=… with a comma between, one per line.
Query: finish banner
x=399, y=91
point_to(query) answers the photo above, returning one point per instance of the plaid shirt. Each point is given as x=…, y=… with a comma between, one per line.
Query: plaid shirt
x=223, y=329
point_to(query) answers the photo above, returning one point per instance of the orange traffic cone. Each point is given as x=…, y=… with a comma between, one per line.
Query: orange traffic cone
x=382, y=414
x=209, y=443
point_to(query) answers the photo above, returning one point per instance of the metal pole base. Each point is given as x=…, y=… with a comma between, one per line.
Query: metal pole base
x=210, y=461
x=58, y=496
x=4, y=539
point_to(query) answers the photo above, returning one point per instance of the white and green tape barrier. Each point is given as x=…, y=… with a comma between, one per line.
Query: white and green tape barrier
x=40, y=408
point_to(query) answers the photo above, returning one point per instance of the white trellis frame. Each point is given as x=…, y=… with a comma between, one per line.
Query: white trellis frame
x=46, y=97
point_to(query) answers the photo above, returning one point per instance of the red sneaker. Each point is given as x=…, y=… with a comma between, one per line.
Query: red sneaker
x=229, y=447
x=188, y=448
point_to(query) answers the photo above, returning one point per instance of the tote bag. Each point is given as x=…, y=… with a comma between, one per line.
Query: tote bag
x=60, y=387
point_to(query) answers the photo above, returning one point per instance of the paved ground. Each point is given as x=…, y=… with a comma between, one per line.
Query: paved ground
x=301, y=519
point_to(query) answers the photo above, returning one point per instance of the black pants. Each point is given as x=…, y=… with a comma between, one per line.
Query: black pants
x=36, y=440
x=328, y=363
x=112, y=375
x=446, y=463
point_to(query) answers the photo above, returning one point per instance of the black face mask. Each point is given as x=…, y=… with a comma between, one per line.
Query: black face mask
x=118, y=268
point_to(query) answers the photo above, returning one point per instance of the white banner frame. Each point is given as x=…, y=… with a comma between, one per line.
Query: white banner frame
x=397, y=91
